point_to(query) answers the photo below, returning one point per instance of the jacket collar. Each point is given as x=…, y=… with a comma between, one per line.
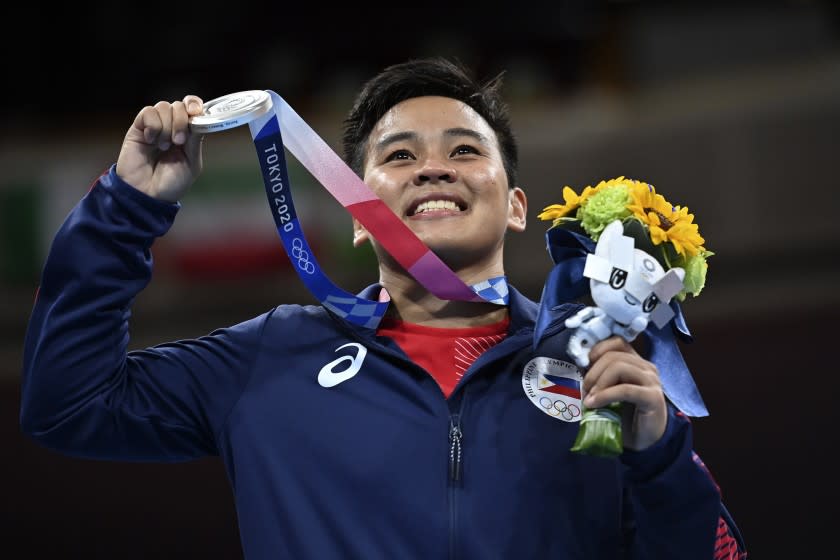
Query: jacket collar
x=523, y=311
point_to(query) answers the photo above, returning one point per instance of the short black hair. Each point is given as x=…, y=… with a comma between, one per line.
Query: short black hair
x=428, y=76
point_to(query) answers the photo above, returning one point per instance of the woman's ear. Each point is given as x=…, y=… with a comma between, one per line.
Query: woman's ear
x=360, y=234
x=517, y=209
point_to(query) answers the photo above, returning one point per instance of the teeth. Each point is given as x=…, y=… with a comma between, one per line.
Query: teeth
x=432, y=205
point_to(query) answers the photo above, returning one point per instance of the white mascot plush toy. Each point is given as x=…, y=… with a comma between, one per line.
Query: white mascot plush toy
x=629, y=287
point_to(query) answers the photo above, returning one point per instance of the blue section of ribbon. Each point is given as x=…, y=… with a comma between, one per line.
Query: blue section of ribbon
x=566, y=282
x=269, y=145
x=674, y=373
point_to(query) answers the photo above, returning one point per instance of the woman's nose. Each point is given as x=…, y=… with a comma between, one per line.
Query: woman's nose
x=435, y=172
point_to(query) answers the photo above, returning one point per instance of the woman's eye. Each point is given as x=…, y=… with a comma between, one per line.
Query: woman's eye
x=465, y=149
x=399, y=154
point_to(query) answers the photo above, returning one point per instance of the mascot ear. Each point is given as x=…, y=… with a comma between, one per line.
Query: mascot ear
x=614, y=228
x=615, y=247
x=635, y=229
x=613, y=231
x=669, y=285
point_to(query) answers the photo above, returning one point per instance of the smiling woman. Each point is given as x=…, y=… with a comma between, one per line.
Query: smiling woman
x=444, y=422
x=436, y=163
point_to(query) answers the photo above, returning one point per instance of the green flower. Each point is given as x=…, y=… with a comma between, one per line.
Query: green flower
x=695, y=273
x=603, y=207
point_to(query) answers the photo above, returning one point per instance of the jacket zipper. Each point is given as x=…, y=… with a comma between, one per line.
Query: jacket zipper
x=455, y=450
x=456, y=458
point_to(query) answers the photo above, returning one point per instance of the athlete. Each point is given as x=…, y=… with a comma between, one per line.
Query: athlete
x=439, y=432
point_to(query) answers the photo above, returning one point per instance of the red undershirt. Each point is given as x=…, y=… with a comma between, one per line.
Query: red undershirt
x=445, y=353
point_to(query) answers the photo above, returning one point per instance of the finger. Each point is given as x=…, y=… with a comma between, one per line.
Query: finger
x=609, y=371
x=148, y=124
x=180, y=123
x=194, y=105
x=164, y=110
x=619, y=366
x=608, y=351
x=612, y=384
x=644, y=397
x=611, y=344
x=620, y=369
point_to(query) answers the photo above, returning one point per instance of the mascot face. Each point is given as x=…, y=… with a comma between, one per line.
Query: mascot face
x=618, y=302
x=627, y=283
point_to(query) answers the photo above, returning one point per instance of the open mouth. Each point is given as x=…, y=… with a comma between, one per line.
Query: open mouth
x=437, y=204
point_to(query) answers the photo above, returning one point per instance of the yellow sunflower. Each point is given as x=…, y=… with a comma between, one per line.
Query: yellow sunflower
x=677, y=228
x=665, y=222
x=647, y=203
x=571, y=203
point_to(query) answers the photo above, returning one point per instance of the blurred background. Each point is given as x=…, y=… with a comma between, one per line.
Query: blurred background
x=729, y=108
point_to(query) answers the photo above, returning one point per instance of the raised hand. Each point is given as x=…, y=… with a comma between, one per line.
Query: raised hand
x=160, y=156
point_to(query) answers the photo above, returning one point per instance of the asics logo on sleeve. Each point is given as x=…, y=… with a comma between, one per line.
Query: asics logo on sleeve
x=329, y=377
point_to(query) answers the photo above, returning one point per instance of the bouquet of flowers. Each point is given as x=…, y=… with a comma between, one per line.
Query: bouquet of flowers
x=639, y=226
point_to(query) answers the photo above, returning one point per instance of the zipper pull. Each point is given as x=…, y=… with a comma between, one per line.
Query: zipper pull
x=455, y=436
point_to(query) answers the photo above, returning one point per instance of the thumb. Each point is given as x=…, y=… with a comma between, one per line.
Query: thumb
x=195, y=141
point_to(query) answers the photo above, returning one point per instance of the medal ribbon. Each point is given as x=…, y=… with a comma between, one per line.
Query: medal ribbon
x=363, y=204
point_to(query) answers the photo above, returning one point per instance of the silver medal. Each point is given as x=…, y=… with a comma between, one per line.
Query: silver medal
x=232, y=110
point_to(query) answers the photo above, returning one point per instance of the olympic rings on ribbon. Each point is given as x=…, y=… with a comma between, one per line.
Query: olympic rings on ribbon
x=302, y=256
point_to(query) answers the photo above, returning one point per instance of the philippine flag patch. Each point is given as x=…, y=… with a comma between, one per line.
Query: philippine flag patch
x=560, y=385
x=553, y=386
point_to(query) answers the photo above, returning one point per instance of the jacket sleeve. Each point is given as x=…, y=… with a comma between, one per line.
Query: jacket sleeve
x=82, y=392
x=674, y=507
x=729, y=544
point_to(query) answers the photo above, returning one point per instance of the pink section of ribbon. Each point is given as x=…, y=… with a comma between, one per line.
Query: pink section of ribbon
x=318, y=158
x=348, y=189
x=447, y=285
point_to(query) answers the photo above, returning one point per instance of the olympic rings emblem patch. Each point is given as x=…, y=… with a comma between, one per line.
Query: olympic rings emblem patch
x=554, y=387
